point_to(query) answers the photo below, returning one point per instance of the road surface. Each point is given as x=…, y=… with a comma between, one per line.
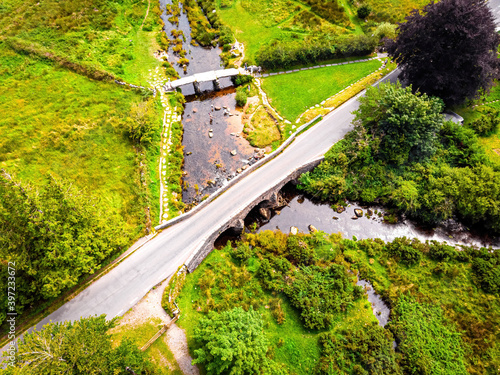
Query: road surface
x=120, y=289
x=495, y=8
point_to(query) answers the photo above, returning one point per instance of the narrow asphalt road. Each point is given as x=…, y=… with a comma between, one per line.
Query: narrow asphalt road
x=117, y=291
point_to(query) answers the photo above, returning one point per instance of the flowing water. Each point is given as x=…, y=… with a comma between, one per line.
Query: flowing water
x=302, y=211
x=210, y=135
x=380, y=309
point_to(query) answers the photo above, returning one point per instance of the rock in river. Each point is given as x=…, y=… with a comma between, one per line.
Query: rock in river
x=233, y=152
x=312, y=228
x=294, y=230
x=358, y=212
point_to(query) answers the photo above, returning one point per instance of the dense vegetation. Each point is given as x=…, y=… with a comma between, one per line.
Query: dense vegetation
x=441, y=59
x=54, y=237
x=445, y=303
x=77, y=147
x=81, y=347
x=402, y=155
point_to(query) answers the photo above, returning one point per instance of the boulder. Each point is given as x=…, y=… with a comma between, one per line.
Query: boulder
x=340, y=209
x=312, y=228
x=335, y=218
x=210, y=134
x=294, y=230
x=233, y=153
x=358, y=212
x=238, y=170
x=265, y=213
x=217, y=108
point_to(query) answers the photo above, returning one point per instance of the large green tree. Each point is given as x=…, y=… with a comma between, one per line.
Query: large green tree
x=54, y=236
x=403, y=124
x=74, y=348
x=449, y=49
x=232, y=342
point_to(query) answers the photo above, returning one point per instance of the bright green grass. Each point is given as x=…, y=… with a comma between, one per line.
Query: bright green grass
x=58, y=122
x=293, y=93
x=259, y=22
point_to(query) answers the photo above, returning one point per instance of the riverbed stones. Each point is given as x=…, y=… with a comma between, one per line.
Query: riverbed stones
x=217, y=108
x=238, y=170
x=210, y=134
x=294, y=230
x=233, y=153
x=358, y=212
x=340, y=209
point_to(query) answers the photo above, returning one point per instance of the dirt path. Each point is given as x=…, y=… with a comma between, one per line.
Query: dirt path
x=146, y=16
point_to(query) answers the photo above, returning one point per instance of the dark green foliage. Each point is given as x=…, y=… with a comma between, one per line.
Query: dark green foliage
x=403, y=124
x=81, y=347
x=427, y=170
x=486, y=268
x=241, y=96
x=241, y=79
x=366, y=350
x=55, y=236
x=405, y=250
x=320, y=294
x=429, y=342
x=441, y=59
x=487, y=123
x=364, y=11
x=299, y=252
x=232, y=342
x=286, y=54
x=442, y=252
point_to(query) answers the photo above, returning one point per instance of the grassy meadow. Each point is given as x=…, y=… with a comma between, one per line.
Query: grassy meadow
x=283, y=277
x=293, y=93
x=62, y=114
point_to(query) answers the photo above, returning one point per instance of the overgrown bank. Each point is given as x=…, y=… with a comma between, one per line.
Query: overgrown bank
x=435, y=172
x=303, y=288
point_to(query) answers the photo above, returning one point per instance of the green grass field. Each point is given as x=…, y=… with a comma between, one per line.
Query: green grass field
x=256, y=23
x=291, y=94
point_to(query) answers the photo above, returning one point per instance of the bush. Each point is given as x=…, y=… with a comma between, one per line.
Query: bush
x=241, y=96
x=487, y=123
x=404, y=250
x=364, y=11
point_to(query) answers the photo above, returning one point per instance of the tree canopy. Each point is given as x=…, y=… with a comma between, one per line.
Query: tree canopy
x=449, y=49
x=232, y=342
x=405, y=124
x=54, y=236
x=73, y=348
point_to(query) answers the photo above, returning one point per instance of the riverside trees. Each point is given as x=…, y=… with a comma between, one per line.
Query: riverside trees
x=449, y=50
x=54, y=236
x=403, y=155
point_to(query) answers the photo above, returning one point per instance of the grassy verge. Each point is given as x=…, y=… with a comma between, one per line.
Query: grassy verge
x=293, y=93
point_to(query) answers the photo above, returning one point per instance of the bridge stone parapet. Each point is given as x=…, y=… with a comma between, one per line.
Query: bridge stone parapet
x=270, y=199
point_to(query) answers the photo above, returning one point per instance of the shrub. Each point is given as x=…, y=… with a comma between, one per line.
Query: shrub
x=487, y=123
x=241, y=96
x=404, y=250
x=364, y=11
